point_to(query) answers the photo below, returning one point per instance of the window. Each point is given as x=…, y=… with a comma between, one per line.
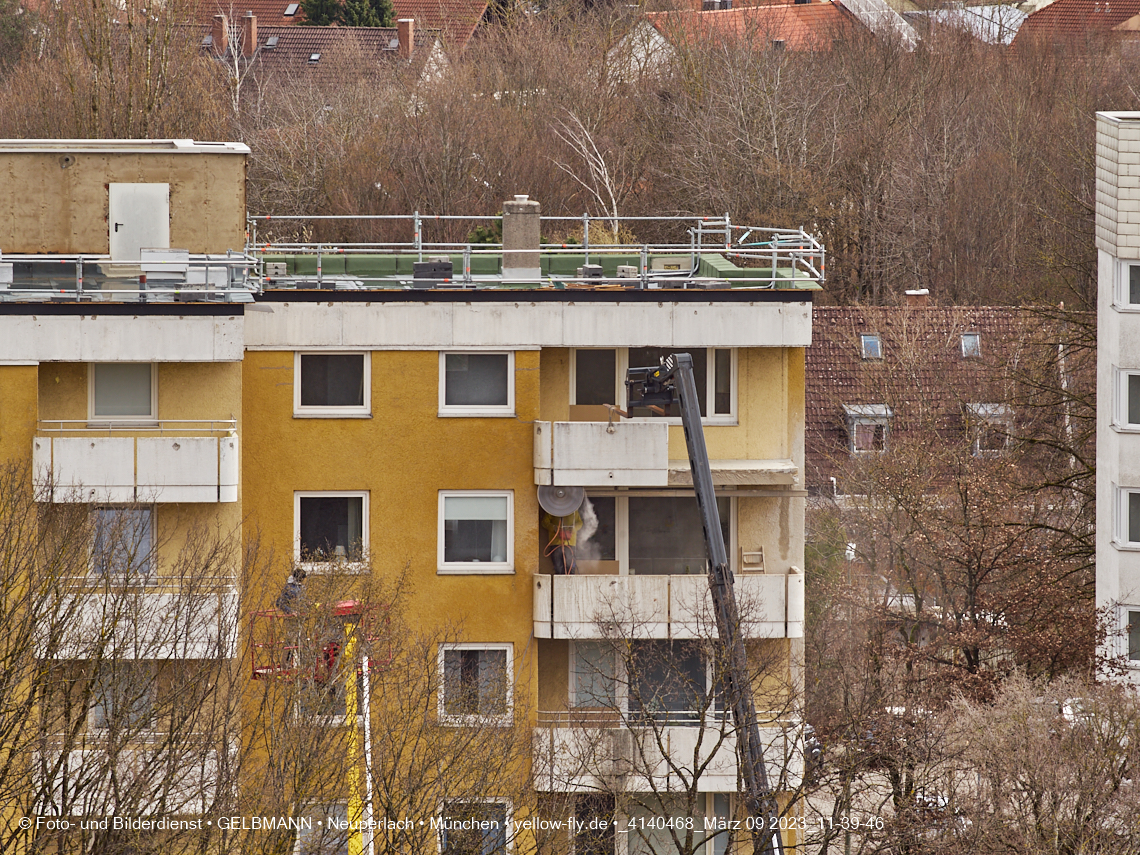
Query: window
x=122, y=696
x=123, y=542
x=868, y=427
x=291, y=9
x=326, y=833
x=330, y=527
x=271, y=42
x=989, y=426
x=1127, y=416
x=651, y=535
x=669, y=682
x=971, y=345
x=476, y=384
x=598, y=377
x=871, y=346
x=332, y=385
x=314, y=57
x=474, y=828
x=1133, y=635
x=596, y=824
x=327, y=700
x=1128, y=518
x=476, y=683
x=476, y=532
x=123, y=391
x=594, y=681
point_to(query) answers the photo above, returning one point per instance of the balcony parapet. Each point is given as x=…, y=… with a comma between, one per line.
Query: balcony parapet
x=677, y=607
x=601, y=454
x=124, y=462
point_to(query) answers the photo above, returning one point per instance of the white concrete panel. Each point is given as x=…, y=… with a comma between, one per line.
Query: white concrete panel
x=102, y=338
x=493, y=324
x=229, y=468
x=421, y=325
x=795, y=608
x=588, y=324
x=100, y=469
x=293, y=326
x=742, y=324
x=761, y=601
x=543, y=444
x=177, y=469
x=588, y=454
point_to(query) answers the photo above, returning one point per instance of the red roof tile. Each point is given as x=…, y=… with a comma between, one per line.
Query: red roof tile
x=800, y=26
x=456, y=19
x=1070, y=18
x=269, y=13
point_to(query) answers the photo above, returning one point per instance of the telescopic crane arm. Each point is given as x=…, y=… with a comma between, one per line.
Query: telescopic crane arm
x=660, y=386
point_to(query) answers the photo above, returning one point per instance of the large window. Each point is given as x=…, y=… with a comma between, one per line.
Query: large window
x=330, y=527
x=474, y=828
x=652, y=535
x=598, y=377
x=476, y=384
x=122, y=391
x=669, y=682
x=122, y=696
x=1133, y=635
x=1127, y=415
x=990, y=426
x=123, y=542
x=476, y=532
x=331, y=385
x=476, y=683
x=594, y=679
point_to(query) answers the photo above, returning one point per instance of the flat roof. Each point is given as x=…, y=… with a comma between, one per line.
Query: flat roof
x=127, y=146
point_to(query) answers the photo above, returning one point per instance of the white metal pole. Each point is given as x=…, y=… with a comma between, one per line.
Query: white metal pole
x=370, y=830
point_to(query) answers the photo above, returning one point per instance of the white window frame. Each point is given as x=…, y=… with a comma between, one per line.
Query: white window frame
x=863, y=346
x=1120, y=421
x=1120, y=535
x=330, y=719
x=319, y=568
x=1120, y=293
x=363, y=411
x=977, y=353
x=622, y=393
x=318, y=826
x=868, y=414
x=476, y=568
x=502, y=719
x=621, y=528
x=985, y=416
x=481, y=410
x=508, y=814
x=152, y=418
x=137, y=577
x=1123, y=624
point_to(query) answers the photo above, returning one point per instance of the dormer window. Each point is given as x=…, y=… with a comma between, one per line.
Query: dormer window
x=989, y=426
x=868, y=427
x=871, y=346
x=971, y=345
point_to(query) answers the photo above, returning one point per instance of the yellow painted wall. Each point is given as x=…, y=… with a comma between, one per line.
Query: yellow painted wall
x=51, y=205
x=18, y=408
x=403, y=456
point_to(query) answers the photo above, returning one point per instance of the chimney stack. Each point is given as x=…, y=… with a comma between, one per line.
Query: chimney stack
x=220, y=35
x=521, y=238
x=249, y=34
x=919, y=299
x=406, y=33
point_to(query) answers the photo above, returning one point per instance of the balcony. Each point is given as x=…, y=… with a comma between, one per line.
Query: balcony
x=601, y=454
x=661, y=758
x=677, y=607
x=198, y=620
x=166, y=461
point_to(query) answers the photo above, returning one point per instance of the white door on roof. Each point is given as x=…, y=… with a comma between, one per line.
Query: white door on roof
x=138, y=217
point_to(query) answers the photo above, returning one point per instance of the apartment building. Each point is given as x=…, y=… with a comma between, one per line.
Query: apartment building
x=399, y=407
x=1118, y=383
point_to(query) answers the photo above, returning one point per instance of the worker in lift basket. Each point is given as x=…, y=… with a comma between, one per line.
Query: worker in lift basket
x=563, y=537
x=291, y=593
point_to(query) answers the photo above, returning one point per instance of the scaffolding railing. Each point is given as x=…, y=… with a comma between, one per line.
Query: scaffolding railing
x=758, y=257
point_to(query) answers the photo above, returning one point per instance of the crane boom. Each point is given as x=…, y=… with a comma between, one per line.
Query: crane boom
x=661, y=385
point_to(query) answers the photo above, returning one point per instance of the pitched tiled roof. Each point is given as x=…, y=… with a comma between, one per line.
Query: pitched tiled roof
x=800, y=26
x=1071, y=18
x=456, y=19
x=922, y=375
x=269, y=13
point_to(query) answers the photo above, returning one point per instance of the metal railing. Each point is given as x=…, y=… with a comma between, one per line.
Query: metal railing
x=600, y=717
x=169, y=276
x=791, y=256
x=156, y=427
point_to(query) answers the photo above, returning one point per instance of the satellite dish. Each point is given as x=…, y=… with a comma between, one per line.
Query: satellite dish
x=561, y=501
